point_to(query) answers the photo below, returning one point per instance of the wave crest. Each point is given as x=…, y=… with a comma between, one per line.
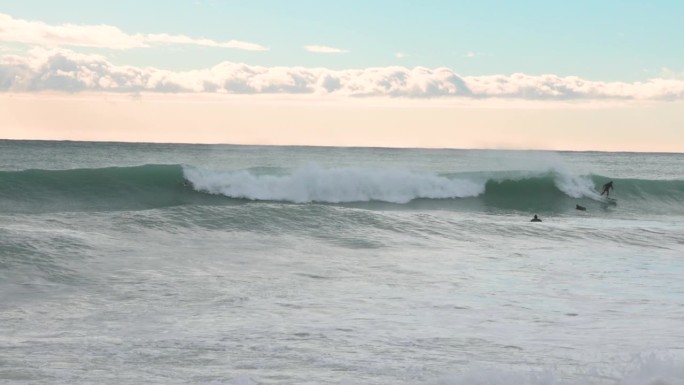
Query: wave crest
x=154, y=186
x=337, y=185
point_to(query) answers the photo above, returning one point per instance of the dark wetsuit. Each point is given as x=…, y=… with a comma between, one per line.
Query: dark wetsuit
x=607, y=187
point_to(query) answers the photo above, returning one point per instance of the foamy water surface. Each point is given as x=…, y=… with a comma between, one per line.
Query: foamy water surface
x=337, y=266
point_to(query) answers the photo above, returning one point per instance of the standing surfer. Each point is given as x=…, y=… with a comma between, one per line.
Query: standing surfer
x=607, y=187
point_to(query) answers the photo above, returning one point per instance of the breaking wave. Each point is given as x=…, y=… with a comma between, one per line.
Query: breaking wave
x=154, y=186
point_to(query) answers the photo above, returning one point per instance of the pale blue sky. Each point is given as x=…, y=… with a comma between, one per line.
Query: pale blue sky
x=581, y=74
x=603, y=40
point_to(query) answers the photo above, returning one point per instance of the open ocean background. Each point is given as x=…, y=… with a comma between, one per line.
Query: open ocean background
x=217, y=264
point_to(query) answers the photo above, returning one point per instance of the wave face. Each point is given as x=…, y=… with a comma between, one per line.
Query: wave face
x=155, y=186
x=111, y=188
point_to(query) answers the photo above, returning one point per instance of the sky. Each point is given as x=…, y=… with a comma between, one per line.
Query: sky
x=561, y=75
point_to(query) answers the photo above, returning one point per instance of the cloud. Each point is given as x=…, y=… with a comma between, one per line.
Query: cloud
x=323, y=49
x=99, y=36
x=472, y=54
x=65, y=70
x=182, y=39
x=668, y=73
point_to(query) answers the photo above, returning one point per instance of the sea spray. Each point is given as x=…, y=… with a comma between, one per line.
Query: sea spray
x=336, y=185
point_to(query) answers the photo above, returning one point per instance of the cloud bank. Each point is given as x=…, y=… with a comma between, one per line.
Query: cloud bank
x=99, y=36
x=64, y=70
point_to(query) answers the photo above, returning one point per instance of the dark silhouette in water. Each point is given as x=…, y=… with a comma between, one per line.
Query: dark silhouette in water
x=536, y=219
x=581, y=208
x=607, y=187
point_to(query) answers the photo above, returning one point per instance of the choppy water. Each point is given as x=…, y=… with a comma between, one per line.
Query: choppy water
x=176, y=264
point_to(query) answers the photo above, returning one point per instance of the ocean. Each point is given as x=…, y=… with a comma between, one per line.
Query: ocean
x=127, y=263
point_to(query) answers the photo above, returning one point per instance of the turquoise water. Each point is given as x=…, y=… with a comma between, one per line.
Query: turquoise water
x=153, y=263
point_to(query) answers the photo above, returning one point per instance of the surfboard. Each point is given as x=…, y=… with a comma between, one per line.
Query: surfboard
x=610, y=201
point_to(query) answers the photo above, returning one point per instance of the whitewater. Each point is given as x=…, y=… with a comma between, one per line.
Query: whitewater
x=218, y=264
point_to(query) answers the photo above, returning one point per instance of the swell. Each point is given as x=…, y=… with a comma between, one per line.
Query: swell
x=156, y=186
x=99, y=189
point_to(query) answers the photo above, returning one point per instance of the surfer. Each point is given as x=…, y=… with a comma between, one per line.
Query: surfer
x=535, y=219
x=607, y=187
x=581, y=208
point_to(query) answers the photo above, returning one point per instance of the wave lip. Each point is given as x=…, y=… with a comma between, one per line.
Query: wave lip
x=347, y=185
x=336, y=185
x=156, y=186
x=551, y=191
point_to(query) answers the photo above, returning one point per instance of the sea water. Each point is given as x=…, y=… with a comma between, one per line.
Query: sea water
x=216, y=264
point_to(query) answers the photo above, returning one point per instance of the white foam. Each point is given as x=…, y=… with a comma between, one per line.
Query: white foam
x=539, y=163
x=333, y=185
x=492, y=376
x=572, y=184
x=575, y=186
x=640, y=369
x=655, y=369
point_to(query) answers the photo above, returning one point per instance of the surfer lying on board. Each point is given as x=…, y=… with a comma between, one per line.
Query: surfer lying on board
x=535, y=219
x=607, y=187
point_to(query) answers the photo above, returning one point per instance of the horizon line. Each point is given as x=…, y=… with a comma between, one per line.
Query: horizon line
x=339, y=146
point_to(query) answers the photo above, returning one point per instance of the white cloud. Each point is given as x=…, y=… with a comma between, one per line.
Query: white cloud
x=99, y=36
x=668, y=73
x=472, y=54
x=182, y=39
x=323, y=49
x=36, y=32
x=64, y=70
